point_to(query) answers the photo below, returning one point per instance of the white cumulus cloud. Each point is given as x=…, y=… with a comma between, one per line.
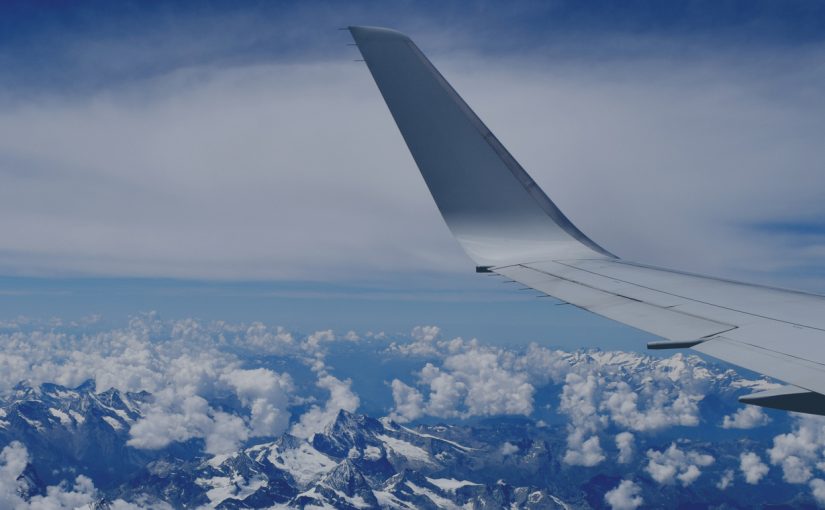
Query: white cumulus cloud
x=266, y=394
x=622, y=403
x=674, y=464
x=625, y=444
x=752, y=467
x=725, y=480
x=625, y=496
x=478, y=381
x=817, y=486
x=747, y=417
x=800, y=451
x=508, y=448
x=578, y=400
x=583, y=452
x=409, y=402
x=317, y=417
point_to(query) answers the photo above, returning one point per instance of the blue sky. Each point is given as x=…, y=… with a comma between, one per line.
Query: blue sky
x=228, y=160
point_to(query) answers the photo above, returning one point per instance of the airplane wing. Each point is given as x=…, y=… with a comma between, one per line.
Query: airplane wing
x=509, y=226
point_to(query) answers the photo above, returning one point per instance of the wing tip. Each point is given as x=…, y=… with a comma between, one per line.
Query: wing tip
x=368, y=33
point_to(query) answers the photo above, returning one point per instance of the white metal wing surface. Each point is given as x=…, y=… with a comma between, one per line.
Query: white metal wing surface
x=507, y=225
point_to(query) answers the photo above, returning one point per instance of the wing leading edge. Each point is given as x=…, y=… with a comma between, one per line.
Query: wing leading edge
x=509, y=226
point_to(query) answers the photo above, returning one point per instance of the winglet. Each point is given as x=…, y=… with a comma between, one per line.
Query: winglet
x=497, y=212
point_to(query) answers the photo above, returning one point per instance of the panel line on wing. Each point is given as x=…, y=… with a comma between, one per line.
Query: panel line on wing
x=804, y=373
x=708, y=303
x=667, y=323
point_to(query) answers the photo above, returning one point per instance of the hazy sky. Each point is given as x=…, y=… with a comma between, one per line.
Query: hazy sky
x=149, y=149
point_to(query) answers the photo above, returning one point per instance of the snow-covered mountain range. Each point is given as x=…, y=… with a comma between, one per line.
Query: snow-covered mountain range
x=191, y=415
x=356, y=462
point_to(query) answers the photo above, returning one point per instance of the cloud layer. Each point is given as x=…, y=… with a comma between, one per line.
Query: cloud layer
x=289, y=165
x=188, y=367
x=600, y=392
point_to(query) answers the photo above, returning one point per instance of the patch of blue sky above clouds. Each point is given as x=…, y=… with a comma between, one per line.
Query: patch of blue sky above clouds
x=490, y=309
x=228, y=159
